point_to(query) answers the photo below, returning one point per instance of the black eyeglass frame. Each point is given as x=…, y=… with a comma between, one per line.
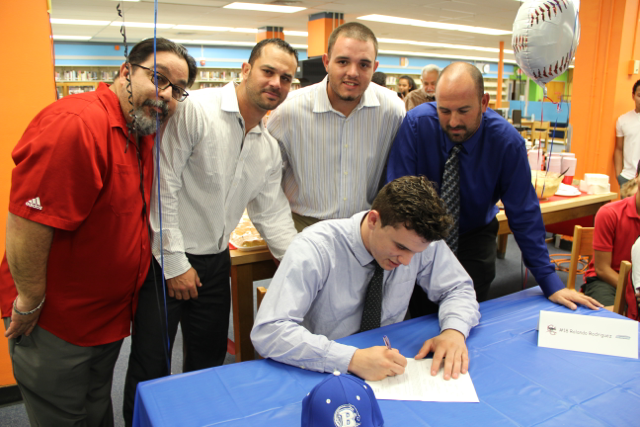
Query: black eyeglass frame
x=174, y=87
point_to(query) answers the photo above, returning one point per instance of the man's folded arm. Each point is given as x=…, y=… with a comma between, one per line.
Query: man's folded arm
x=277, y=332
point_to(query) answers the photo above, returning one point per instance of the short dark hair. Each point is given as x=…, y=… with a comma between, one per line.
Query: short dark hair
x=635, y=86
x=472, y=70
x=352, y=30
x=257, y=49
x=143, y=49
x=638, y=169
x=379, y=78
x=413, y=201
x=412, y=83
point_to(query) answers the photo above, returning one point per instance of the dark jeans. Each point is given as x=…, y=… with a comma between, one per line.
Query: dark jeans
x=204, y=321
x=477, y=253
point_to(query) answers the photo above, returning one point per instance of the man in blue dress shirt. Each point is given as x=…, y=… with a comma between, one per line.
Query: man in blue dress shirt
x=493, y=165
x=318, y=293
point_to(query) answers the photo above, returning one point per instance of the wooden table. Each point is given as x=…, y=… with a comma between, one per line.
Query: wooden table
x=246, y=267
x=557, y=209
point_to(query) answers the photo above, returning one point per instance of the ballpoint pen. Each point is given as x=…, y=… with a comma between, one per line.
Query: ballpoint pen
x=386, y=341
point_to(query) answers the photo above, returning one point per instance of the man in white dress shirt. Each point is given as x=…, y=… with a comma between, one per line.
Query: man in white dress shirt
x=627, y=151
x=335, y=135
x=326, y=287
x=216, y=158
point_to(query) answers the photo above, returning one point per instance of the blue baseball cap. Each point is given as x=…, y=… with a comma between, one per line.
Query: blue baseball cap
x=341, y=401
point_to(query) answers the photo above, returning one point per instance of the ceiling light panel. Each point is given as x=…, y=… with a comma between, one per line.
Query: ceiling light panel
x=201, y=28
x=142, y=25
x=264, y=7
x=435, y=25
x=72, y=38
x=79, y=22
x=244, y=30
x=444, y=45
x=438, y=55
x=296, y=33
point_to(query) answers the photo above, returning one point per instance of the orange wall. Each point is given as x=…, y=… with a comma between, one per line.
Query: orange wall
x=28, y=85
x=601, y=84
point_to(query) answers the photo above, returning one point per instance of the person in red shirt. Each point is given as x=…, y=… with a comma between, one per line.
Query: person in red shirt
x=77, y=247
x=617, y=227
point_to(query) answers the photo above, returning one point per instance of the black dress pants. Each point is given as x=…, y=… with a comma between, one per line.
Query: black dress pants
x=204, y=321
x=477, y=251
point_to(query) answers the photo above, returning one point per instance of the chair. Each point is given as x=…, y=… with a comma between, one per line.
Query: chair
x=620, y=304
x=582, y=246
x=260, y=293
x=516, y=118
x=540, y=131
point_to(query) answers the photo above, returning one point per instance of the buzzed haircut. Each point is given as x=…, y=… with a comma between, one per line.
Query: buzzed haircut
x=281, y=44
x=413, y=202
x=635, y=86
x=142, y=50
x=352, y=30
x=473, y=71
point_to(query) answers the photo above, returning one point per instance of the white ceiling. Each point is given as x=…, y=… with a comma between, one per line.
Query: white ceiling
x=498, y=14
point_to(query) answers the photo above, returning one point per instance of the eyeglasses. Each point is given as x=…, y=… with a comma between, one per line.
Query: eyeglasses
x=177, y=93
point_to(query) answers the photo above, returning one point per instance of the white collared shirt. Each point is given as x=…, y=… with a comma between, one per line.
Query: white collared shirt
x=333, y=164
x=628, y=126
x=209, y=172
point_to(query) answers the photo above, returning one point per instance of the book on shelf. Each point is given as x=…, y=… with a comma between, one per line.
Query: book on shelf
x=84, y=75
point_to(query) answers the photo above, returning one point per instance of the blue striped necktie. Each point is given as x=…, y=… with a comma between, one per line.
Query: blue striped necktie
x=451, y=194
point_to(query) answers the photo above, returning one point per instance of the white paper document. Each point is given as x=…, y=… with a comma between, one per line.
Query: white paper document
x=588, y=334
x=417, y=384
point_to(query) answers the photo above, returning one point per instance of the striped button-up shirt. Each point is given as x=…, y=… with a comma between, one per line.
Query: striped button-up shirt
x=209, y=172
x=333, y=163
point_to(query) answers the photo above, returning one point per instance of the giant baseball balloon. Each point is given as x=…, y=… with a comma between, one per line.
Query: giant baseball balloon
x=545, y=38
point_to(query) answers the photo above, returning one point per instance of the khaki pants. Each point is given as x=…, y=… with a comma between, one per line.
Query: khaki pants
x=63, y=384
x=302, y=222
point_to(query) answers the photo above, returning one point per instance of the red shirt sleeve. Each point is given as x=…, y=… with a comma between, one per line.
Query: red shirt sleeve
x=605, y=229
x=57, y=177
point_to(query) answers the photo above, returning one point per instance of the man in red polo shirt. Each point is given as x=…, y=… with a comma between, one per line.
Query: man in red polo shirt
x=616, y=229
x=77, y=247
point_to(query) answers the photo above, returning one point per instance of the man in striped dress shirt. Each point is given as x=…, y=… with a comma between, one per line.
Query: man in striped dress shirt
x=216, y=158
x=335, y=135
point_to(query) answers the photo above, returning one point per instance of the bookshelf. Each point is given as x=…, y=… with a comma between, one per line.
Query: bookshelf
x=218, y=77
x=490, y=85
x=77, y=79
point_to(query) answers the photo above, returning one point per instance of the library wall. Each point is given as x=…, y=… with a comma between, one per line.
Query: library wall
x=24, y=25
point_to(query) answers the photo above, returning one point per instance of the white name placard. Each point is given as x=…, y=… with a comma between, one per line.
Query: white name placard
x=589, y=334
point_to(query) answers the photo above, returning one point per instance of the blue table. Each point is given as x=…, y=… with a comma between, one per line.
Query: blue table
x=518, y=384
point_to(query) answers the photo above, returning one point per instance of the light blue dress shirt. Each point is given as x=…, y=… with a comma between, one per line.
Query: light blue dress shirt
x=317, y=295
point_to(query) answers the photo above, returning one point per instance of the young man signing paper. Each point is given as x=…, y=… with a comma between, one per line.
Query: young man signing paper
x=340, y=277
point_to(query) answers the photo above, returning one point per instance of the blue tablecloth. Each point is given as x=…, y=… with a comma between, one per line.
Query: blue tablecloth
x=518, y=383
